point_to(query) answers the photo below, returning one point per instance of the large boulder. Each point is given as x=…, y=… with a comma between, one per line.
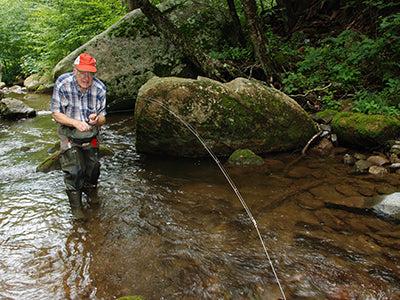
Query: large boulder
x=241, y=114
x=39, y=83
x=365, y=131
x=13, y=109
x=132, y=51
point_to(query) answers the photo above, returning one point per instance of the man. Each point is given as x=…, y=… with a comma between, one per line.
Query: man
x=78, y=106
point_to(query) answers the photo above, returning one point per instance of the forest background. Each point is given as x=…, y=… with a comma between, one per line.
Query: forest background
x=326, y=54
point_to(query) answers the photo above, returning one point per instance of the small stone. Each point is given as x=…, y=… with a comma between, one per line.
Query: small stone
x=394, y=166
x=25, y=148
x=394, y=158
x=366, y=191
x=386, y=189
x=325, y=127
x=377, y=170
x=362, y=166
x=378, y=160
x=359, y=156
x=324, y=148
x=346, y=189
x=348, y=160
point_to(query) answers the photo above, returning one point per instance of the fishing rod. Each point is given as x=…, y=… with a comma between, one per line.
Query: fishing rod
x=228, y=178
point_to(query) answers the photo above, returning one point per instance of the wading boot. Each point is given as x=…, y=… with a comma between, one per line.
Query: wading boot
x=75, y=200
x=91, y=193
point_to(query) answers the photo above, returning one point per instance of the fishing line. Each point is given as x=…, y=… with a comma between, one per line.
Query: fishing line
x=228, y=178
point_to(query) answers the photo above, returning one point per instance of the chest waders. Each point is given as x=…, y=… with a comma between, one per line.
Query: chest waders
x=80, y=162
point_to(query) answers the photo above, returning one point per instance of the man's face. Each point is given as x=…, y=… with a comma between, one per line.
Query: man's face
x=84, y=79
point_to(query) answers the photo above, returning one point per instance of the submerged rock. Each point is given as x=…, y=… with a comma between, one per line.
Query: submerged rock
x=245, y=157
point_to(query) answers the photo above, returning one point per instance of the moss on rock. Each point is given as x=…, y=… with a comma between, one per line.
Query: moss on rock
x=245, y=157
x=365, y=131
x=236, y=115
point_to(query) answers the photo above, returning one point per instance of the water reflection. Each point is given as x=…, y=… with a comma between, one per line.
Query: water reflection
x=173, y=229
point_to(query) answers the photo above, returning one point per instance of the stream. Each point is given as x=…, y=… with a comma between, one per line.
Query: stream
x=171, y=228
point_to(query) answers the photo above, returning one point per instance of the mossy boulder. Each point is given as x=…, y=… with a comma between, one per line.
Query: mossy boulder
x=325, y=117
x=236, y=115
x=365, y=131
x=53, y=163
x=245, y=157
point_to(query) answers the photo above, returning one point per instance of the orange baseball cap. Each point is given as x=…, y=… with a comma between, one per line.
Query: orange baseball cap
x=84, y=62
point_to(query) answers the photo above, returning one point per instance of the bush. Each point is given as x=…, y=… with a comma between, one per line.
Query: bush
x=357, y=66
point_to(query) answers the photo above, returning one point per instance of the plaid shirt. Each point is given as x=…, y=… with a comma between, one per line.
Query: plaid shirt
x=68, y=98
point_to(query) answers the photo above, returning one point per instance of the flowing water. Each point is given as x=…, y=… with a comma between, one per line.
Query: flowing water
x=173, y=229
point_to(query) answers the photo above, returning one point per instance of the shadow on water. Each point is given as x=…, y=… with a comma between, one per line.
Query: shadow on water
x=173, y=229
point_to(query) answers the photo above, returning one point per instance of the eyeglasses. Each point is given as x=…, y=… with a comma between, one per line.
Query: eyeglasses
x=85, y=73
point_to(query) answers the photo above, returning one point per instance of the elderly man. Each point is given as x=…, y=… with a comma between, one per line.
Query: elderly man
x=78, y=106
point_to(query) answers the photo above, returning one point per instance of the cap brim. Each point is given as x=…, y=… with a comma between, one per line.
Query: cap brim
x=86, y=68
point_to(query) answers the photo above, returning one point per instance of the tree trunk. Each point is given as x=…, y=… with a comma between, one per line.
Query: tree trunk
x=132, y=4
x=257, y=38
x=211, y=67
x=237, y=27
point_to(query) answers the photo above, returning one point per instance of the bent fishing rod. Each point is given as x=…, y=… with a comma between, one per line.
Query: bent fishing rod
x=228, y=178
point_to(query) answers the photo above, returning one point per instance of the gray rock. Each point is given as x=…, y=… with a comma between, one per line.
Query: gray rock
x=348, y=159
x=377, y=170
x=359, y=156
x=378, y=160
x=32, y=82
x=394, y=158
x=386, y=204
x=362, y=166
x=13, y=109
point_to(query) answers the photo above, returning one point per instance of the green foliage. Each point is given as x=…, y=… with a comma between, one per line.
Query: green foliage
x=352, y=62
x=14, y=26
x=233, y=53
x=379, y=102
x=36, y=34
x=373, y=103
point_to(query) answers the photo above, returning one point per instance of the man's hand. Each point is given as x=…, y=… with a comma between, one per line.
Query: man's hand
x=97, y=120
x=82, y=126
x=65, y=120
x=93, y=119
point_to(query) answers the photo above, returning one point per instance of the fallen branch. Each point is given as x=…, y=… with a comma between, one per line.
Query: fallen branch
x=303, y=152
x=311, y=140
x=310, y=91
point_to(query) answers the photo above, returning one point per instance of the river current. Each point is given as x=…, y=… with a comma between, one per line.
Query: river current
x=173, y=228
